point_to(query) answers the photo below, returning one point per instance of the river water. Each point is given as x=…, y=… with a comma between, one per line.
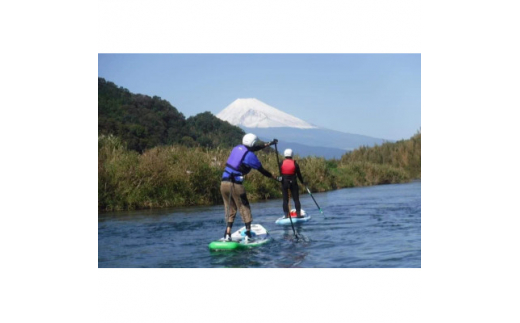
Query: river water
x=365, y=227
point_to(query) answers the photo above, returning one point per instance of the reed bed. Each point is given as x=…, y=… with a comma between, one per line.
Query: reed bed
x=168, y=176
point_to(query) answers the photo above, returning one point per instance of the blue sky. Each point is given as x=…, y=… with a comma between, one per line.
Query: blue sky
x=378, y=95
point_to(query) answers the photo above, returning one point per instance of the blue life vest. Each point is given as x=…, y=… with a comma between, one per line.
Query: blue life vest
x=236, y=158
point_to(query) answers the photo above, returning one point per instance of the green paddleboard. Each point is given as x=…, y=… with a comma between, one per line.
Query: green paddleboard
x=259, y=233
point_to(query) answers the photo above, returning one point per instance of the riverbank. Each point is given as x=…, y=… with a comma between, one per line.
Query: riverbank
x=171, y=176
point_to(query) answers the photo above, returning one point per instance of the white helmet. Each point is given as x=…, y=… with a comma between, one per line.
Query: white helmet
x=249, y=140
x=287, y=152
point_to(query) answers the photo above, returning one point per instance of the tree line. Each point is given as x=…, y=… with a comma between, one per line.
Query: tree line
x=143, y=122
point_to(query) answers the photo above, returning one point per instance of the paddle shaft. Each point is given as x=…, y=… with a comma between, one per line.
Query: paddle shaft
x=308, y=190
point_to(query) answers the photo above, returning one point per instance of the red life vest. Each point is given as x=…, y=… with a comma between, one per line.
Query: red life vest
x=288, y=167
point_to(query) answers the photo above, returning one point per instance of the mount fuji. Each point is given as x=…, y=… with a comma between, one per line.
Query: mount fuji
x=253, y=113
x=305, y=139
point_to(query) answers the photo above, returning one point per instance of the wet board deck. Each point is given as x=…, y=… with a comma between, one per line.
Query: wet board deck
x=295, y=220
x=259, y=233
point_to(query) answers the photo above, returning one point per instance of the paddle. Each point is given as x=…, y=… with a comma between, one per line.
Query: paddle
x=308, y=190
x=280, y=170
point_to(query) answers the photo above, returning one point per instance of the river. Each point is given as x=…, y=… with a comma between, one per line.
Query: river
x=363, y=227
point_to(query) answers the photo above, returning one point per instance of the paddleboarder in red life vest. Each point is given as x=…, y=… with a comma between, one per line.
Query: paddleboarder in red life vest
x=240, y=162
x=290, y=169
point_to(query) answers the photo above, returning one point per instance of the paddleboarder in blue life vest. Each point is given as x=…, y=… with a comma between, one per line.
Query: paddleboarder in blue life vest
x=240, y=162
x=290, y=169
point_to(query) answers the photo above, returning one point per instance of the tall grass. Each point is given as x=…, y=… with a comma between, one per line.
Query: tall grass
x=403, y=154
x=160, y=177
x=168, y=176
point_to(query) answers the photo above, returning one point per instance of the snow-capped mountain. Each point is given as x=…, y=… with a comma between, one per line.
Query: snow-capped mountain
x=253, y=113
x=254, y=116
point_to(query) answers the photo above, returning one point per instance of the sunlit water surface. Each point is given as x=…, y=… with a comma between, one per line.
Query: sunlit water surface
x=377, y=226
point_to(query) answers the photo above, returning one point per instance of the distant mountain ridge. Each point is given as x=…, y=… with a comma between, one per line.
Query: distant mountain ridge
x=304, y=150
x=145, y=122
x=319, y=142
x=254, y=116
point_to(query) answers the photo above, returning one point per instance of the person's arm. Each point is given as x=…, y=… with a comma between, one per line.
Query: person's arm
x=252, y=161
x=265, y=172
x=259, y=145
x=298, y=172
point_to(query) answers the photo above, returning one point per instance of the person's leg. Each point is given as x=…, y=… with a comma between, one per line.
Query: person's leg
x=230, y=206
x=295, y=191
x=285, y=196
x=240, y=197
x=242, y=203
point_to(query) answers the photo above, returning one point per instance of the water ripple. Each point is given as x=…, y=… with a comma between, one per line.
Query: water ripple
x=369, y=227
